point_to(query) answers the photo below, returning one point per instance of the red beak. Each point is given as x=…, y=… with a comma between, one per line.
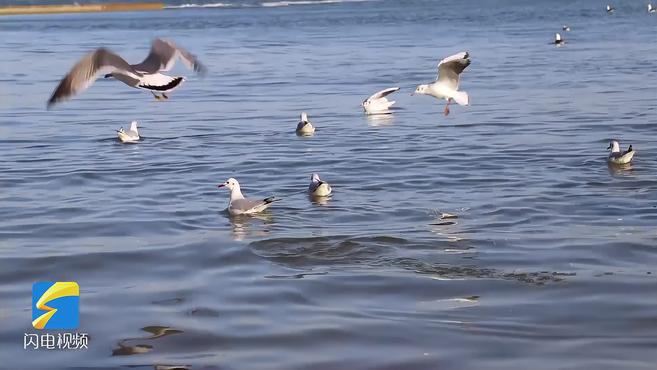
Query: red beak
x=221, y=185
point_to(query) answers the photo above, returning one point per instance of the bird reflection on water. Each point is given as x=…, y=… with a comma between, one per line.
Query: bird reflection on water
x=249, y=226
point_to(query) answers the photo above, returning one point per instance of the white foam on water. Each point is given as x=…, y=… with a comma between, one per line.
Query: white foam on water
x=273, y=4
x=210, y=5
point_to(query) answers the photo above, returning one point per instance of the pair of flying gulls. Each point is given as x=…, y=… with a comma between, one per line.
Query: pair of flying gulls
x=145, y=75
x=446, y=87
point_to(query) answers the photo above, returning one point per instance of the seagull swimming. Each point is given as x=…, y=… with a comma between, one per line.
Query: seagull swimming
x=378, y=103
x=618, y=157
x=610, y=9
x=651, y=9
x=558, y=40
x=145, y=75
x=565, y=28
x=447, y=83
x=318, y=188
x=239, y=205
x=130, y=136
x=304, y=127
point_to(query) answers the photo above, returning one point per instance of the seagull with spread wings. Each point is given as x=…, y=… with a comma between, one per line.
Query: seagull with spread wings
x=378, y=103
x=446, y=85
x=145, y=75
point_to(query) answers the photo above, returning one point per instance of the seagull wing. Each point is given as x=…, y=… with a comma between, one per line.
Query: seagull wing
x=451, y=67
x=85, y=72
x=250, y=205
x=383, y=93
x=163, y=56
x=314, y=185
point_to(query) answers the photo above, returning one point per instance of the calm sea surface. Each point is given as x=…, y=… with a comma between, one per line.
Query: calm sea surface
x=552, y=263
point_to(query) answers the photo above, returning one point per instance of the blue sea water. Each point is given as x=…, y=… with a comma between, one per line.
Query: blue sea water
x=551, y=263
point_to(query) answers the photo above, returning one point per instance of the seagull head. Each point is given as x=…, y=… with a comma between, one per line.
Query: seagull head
x=614, y=146
x=314, y=178
x=230, y=184
x=365, y=103
x=421, y=90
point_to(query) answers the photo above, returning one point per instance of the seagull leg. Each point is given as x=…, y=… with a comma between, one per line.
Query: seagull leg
x=165, y=96
x=156, y=96
x=446, y=111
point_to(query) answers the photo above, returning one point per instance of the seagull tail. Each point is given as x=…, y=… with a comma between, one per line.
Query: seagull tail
x=461, y=98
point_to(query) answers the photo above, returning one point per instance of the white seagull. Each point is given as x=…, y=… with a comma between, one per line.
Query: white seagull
x=145, y=75
x=304, y=127
x=239, y=205
x=447, y=83
x=130, y=136
x=565, y=28
x=618, y=157
x=318, y=188
x=651, y=9
x=378, y=103
x=558, y=40
x=610, y=9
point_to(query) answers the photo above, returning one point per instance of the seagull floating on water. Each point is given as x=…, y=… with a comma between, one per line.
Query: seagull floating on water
x=558, y=40
x=318, y=188
x=378, y=103
x=565, y=28
x=651, y=9
x=130, y=136
x=447, y=83
x=618, y=157
x=610, y=9
x=145, y=75
x=304, y=127
x=239, y=205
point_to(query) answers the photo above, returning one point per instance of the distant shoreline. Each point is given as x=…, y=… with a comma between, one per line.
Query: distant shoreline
x=79, y=8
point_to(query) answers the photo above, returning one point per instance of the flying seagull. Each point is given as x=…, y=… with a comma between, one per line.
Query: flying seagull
x=239, y=205
x=610, y=9
x=651, y=9
x=447, y=83
x=616, y=156
x=378, y=103
x=145, y=75
x=566, y=28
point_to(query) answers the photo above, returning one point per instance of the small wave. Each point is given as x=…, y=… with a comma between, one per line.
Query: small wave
x=273, y=4
x=211, y=5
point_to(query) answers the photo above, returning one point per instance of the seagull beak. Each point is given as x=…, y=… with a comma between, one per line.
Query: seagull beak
x=609, y=147
x=221, y=185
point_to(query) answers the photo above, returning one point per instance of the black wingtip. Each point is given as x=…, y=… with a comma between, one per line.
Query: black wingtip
x=630, y=148
x=271, y=199
x=200, y=69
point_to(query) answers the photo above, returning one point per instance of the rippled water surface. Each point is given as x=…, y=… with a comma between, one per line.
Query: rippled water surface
x=551, y=263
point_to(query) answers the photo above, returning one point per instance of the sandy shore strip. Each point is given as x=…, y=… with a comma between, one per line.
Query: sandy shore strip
x=79, y=8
